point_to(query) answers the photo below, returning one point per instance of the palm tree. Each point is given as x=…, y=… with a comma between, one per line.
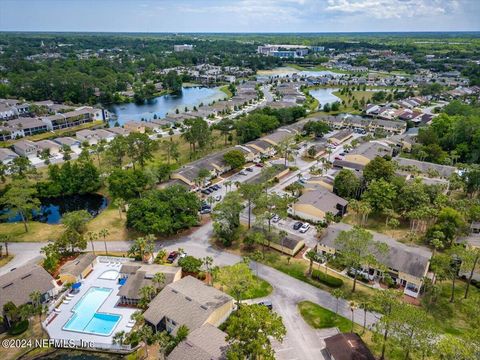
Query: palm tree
x=164, y=341
x=119, y=337
x=104, y=233
x=146, y=334
x=365, y=306
x=311, y=256
x=120, y=204
x=146, y=295
x=208, y=262
x=92, y=236
x=353, y=307
x=227, y=184
x=337, y=294
x=36, y=299
x=159, y=279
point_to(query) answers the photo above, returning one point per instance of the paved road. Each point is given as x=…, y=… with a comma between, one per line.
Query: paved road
x=301, y=342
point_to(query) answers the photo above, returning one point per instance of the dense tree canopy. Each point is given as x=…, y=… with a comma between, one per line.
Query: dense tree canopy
x=164, y=211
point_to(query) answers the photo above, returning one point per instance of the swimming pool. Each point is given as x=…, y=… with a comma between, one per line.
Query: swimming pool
x=86, y=319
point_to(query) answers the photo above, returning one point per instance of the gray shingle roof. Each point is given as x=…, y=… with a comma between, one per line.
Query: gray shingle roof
x=77, y=266
x=322, y=199
x=18, y=284
x=204, y=343
x=371, y=150
x=424, y=166
x=187, y=302
x=408, y=259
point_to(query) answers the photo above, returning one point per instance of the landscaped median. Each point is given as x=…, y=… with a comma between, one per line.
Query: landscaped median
x=298, y=269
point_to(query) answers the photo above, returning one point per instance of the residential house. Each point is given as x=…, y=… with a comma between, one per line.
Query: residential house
x=28, y=126
x=63, y=120
x=73, y=144
x=7, y=156
x=315, y=204
x=346, y=346
x=138, y=275
x=407, y=265
x=424, y=167
x=340, y=137
x=205, y=343
x=17, y=285
x=266, y=149
x=366, y=152
x=51, y=146
x=135, y=126
x=26, y=148
x=289, y=244
x=315, y=182
x=102, y=134
x=188, y=302
x=77, y=269
x=88, y=136
x=120, y=131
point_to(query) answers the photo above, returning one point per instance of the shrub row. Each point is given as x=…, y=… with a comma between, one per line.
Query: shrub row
x=327, y=279
x=18, y=328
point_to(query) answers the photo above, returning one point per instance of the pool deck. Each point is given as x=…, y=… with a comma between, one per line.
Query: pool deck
x=55, y=327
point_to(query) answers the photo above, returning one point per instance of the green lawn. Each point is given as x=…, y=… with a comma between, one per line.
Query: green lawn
x=260, y=289
x=321, y=318
x=297, y=268
x=226, y=91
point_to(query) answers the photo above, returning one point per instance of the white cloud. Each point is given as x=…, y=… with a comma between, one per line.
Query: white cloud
x=392, y=9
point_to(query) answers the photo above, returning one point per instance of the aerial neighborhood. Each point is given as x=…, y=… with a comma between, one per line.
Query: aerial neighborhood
x=240, y=196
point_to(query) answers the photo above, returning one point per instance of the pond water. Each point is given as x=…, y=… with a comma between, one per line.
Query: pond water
x=288, y=71
x=189, y=97
x=325, y=96
x=52, y=209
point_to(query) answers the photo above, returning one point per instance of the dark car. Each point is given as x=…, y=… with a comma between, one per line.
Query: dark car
x=204, y=191
x=212, y=189
x=249, y=169
x=297, y=225
x=266, y=303
x=216, y=187
x=172, y=256
x=338, y=158
x=259, y=165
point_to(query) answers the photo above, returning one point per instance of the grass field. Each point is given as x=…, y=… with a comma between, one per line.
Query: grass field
x=260, y=288
x=4, y=260
x=321, y=318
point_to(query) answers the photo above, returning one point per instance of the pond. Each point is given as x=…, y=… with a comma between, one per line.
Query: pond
x=160, y=106
x=52, y=209
x=288, y=71
x=325, y=95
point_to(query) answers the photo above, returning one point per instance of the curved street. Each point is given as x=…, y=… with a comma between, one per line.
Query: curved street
x=301, y=342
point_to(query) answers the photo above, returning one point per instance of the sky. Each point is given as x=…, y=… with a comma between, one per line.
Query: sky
x=239, y=15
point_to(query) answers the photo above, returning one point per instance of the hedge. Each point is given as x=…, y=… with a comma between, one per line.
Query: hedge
x=327, y=279
x=18, y=328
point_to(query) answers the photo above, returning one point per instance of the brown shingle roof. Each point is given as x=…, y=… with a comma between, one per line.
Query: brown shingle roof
x=204, y=343
x=348, y=346
x=187, y=302
x=18, y=284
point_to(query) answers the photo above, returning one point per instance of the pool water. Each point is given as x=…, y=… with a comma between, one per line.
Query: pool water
x=86, y=319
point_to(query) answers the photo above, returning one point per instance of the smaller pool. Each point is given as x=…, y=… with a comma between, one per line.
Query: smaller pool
x=109, y=275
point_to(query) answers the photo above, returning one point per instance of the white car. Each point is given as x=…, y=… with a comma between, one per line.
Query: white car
x=218, y=197
x=305, y=227
x=276, y=219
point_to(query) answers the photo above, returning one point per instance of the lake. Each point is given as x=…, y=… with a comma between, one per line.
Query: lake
x=52, y=209
x=325, y=96
x=285, y=70
x=189, y=97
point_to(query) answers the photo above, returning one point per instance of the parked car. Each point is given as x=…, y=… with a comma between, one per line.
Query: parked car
x=205, y=191
x=218, y=197
x=266, y=303
x=216, y=187
x=259, y=165
x=338, y=158
x=342, y=154
x=275, y=218
x=204, y=211
x=249, y=169
x=212, y=189
x=304, y=228
x=172, y=257
x=242, y=172
x=297, y=225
